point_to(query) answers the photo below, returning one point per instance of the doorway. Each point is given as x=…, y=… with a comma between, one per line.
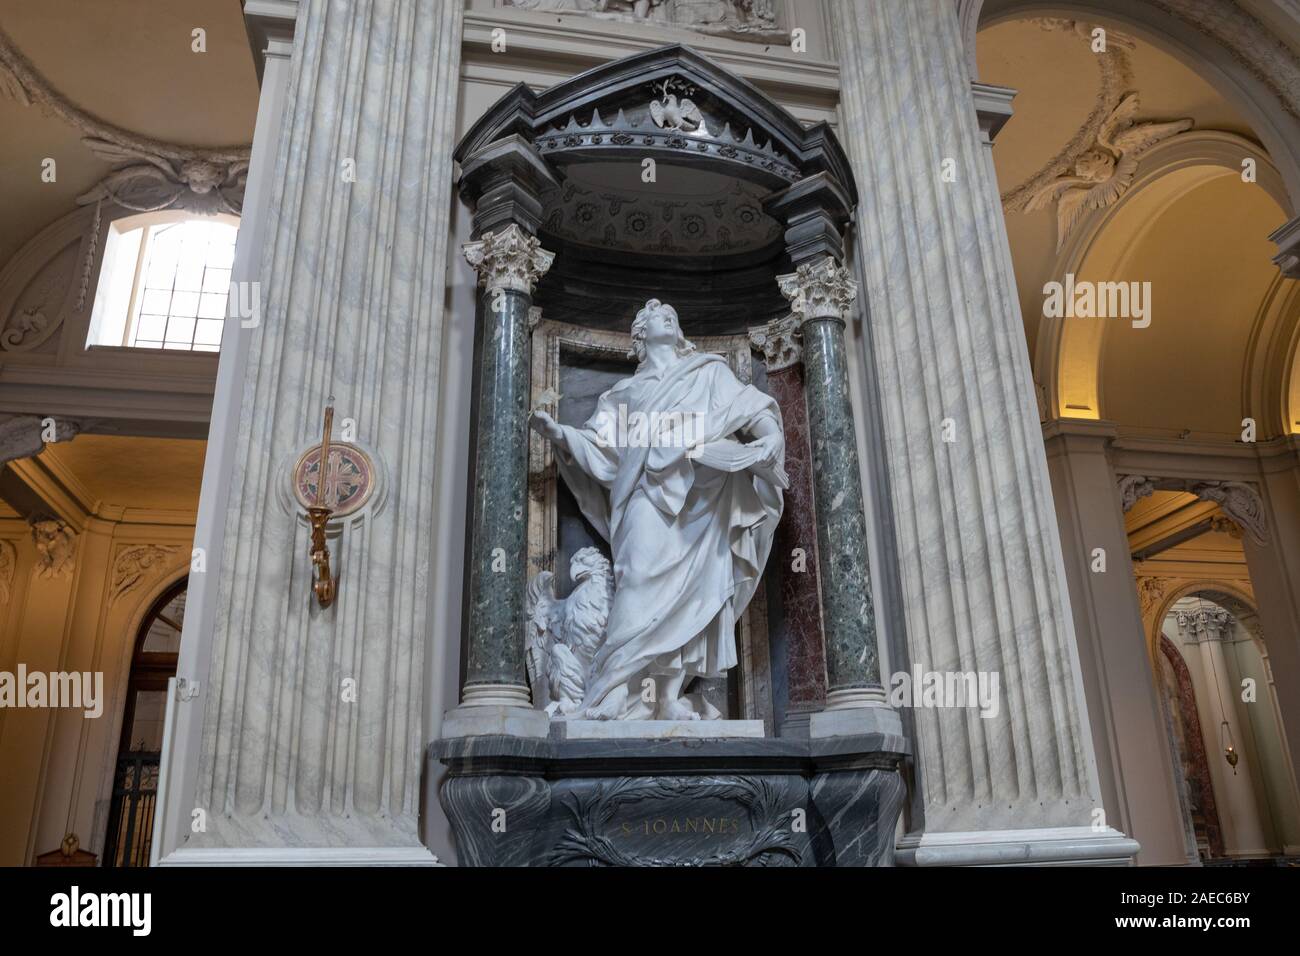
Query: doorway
x=135, y=778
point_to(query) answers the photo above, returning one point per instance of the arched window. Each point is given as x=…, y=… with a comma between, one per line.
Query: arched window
x=164, y=282
x=135, y=778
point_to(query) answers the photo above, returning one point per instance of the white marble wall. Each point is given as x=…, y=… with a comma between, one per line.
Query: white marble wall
x=353, y=285
x=982, y=577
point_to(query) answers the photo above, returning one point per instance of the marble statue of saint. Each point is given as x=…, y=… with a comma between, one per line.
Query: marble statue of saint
x=681, y=470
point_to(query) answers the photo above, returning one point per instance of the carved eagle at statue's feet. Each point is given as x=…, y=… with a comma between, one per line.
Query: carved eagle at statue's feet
x=563, y=635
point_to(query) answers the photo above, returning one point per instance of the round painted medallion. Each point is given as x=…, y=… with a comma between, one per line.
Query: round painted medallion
x=349, y=480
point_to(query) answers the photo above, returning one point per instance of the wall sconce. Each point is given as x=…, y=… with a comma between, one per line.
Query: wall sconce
x=331, y=481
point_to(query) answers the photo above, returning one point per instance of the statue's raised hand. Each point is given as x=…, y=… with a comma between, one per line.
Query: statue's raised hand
x=546, y=426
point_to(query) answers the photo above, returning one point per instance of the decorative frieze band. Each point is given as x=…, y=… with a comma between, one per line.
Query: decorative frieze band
x=1240, y=502
x=1132, y=489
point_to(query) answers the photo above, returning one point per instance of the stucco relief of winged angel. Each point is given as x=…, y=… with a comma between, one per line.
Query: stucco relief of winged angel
x=1104, y=173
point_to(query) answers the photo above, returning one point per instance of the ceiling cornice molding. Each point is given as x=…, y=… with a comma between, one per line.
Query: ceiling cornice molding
x=149, y=174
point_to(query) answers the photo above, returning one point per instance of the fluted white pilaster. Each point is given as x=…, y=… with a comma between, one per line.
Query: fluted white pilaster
x=979, y=553
x=352, y=292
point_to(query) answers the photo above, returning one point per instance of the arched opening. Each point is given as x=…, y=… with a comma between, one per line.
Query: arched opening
x=1225, y=727
x=1142, y=177
x=1196, y=790
x=135, y=778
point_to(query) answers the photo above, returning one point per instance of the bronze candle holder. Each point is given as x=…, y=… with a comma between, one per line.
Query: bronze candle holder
x=323, y=585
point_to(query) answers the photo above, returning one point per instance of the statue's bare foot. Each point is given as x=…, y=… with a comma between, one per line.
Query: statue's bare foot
x=609, y=708
x=677, y=710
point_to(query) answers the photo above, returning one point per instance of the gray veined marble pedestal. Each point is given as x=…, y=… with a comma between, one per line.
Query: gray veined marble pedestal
x=738, y=801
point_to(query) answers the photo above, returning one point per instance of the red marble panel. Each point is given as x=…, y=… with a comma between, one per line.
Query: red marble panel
x=806, y=647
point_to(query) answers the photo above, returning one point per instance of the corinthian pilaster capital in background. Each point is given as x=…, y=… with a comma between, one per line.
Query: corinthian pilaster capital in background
x=509, y=259
x=819, y=290
x=1205, y=624
x=778, y=340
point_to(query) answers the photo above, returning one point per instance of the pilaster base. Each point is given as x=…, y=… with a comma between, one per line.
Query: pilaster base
x=1044, y=846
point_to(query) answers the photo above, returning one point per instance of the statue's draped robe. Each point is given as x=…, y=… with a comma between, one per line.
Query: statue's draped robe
x=688, y=541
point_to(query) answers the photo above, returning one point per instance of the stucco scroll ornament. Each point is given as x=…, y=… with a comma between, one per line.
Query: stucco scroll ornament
x=509, y=259
x=1132, y=488
x=150, y=174
x=22, y=436
x=1240, y=502
x=56, y=546
x=8, y=565
x=134, y=563
x=1104, y=173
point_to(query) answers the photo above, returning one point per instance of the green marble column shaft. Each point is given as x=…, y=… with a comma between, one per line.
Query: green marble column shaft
x=509, y=261
x=820, y=294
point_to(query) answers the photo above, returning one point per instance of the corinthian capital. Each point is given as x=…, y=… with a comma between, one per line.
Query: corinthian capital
x=509, y=259
x=779, y=343
x=819, y=290
x=1205, y=624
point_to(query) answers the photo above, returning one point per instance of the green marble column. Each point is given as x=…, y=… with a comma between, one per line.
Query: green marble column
x=820, y=294
x=508, y=261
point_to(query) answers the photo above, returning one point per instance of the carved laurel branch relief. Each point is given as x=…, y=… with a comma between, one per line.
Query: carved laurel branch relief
x=769, y=841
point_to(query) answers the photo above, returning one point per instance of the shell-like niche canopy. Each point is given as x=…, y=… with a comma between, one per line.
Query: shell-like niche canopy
x=676, y=179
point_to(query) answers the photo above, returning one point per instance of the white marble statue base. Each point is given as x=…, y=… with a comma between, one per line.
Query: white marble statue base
x=653, y=729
